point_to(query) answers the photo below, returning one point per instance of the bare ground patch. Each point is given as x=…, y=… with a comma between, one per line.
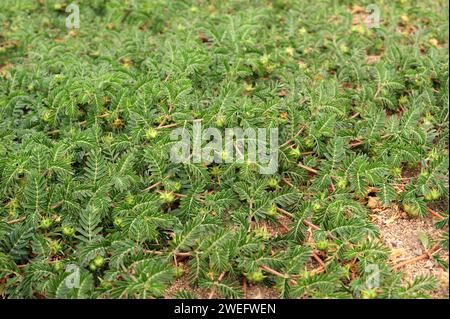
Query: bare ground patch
x=402, y=235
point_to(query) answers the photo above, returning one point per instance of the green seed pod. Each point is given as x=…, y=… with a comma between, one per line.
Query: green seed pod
x=177, y=186
x=273, y=182
x=316, y=207
x=167, y=197
x=98, y=261
x=118, y=222
x=412, y=209
x=295, y=152
x=68, y=231
x=309, y=142
x=369, y=294
x=397, y=171
x=305, y=274
x=342, y=183
x=57, y=266
x=435, y=194
x=272, y=211
x=224, y=156
x=322, y=245
x=129, y=199
x=179, y=271
x=261, y=232
x=256, y=276
x=403, y=100
x=55, y=246
x=424, y=174
x=106, y=284
x=46, y=223
x=220, y=120
x=151, y=133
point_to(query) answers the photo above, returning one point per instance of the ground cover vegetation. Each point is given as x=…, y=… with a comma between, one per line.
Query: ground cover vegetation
x=86, y=116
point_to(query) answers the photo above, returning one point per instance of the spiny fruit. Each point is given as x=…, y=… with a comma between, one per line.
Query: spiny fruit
x=46, y=223
x=345, y=274
x=358, y=29
x=264, y=59
x=434, y=194
x=172, y=185
x=248, y=87
x=397, y=171
x=295, y=152
x=167, y=197
x=151, y=133
x=342, y=183
x=305, y=274
x=403, y=100
x=179, y=270
x=57, y=6
x=106, y=284
x=428, y=119
x=98, y=261
x=412, y=209
x=424, y=174
x=129, y=199
x=272, y=211
x=369, y=294
x=68, y=231
x=55, y=246
x=309, y=142
x=177, y=186
x=255, y=276
x=118, y=222
x=220, y=120
x=46, y=116
x=57, y=265
x=58, y=78
x=322, y=245
x=289, y=51
x=261, y=232
x=273, y=182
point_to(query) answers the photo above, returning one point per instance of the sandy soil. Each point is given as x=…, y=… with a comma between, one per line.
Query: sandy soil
x=402, y=235
x=398, y=231
x=252, y=291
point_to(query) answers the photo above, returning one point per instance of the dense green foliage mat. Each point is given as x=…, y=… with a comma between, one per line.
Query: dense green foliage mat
x=87, y=187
